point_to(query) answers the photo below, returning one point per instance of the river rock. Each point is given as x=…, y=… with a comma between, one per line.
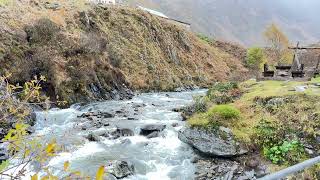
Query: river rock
x=149, y=129
x=93, y=137
x=120, y=169
x=211, y=143
x=97, y=114
x=153, y=135
x=122, y=132
x=3, y=155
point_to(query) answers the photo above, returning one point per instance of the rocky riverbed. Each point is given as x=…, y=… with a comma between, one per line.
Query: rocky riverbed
x=133, y=139
x=143, y=138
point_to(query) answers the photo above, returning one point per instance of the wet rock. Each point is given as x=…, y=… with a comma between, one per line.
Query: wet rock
x=247, y=175
x=98, y=114
x=149, y=129
x=195, y=159
x=110, y=177
x=31, y=119
x=3, y=132
x=180, y=89
x=184, y=116
x=3, y=155
x=153, y=135
x=125, y=142
x=176, y=109
x=219, y=169
x=253, y=163
x=120, y=169
x=93, y=137
x=175, y=124
x=122, y=132
x=261, y=170
x=211, y=143
x=86, y=126
x=100, y=132
x=119, y=112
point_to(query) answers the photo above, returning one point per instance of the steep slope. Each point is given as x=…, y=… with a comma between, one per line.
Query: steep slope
x=243, y=21
x=94, y=52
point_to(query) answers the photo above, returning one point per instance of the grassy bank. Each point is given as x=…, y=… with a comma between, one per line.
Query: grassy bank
x=272, y=116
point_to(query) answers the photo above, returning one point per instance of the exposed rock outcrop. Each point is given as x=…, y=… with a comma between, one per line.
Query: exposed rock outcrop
x=219, y=142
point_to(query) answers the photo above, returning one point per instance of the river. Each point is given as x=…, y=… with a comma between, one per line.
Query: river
x=160, y=158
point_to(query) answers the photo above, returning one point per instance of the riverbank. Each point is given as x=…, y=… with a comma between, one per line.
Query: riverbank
x=275, y=121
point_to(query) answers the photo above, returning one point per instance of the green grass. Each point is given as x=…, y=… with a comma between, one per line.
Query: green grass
x=277, y=129
x=276, y=88
x=205, y=38
x=199, y=120
x=4, y=2
x=225, y=112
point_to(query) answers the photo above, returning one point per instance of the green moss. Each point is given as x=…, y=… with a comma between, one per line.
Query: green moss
x=224, y=112
x=199, y=120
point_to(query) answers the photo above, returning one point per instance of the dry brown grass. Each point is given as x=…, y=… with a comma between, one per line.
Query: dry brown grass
x=140, y=50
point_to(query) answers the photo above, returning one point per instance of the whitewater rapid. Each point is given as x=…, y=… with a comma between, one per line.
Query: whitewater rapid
x=160, y=158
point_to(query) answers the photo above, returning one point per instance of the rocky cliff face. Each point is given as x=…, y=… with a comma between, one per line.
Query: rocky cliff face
x=99, y=52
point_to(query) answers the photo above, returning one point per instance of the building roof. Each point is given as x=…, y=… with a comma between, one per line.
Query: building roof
x=160, y=14
x=157, y=13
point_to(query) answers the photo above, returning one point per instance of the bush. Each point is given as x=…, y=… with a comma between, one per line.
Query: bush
x=205, y=38
x=224, y=112
x=200, y=104
x=223, y=87
x=266, y=133
x=223, y=93
x=291, y=152
x=42, y=32
x=255, y=58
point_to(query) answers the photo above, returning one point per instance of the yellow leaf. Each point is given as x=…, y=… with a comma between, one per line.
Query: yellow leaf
x=51, y=148
x=66, y=165
x=100, y=173
x=76, y=173
x=45, y=178
x=34, y=177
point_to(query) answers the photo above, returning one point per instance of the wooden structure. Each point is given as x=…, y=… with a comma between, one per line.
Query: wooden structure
x=296, y=70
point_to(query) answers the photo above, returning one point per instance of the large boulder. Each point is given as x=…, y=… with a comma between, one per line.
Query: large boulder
x=152, y=130
x=120, y=169
x=218, y=142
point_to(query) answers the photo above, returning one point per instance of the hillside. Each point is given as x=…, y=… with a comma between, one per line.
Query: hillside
x=94, y=52
x=243, y=21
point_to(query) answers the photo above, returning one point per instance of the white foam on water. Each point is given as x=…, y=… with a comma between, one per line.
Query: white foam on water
x=162, y=155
